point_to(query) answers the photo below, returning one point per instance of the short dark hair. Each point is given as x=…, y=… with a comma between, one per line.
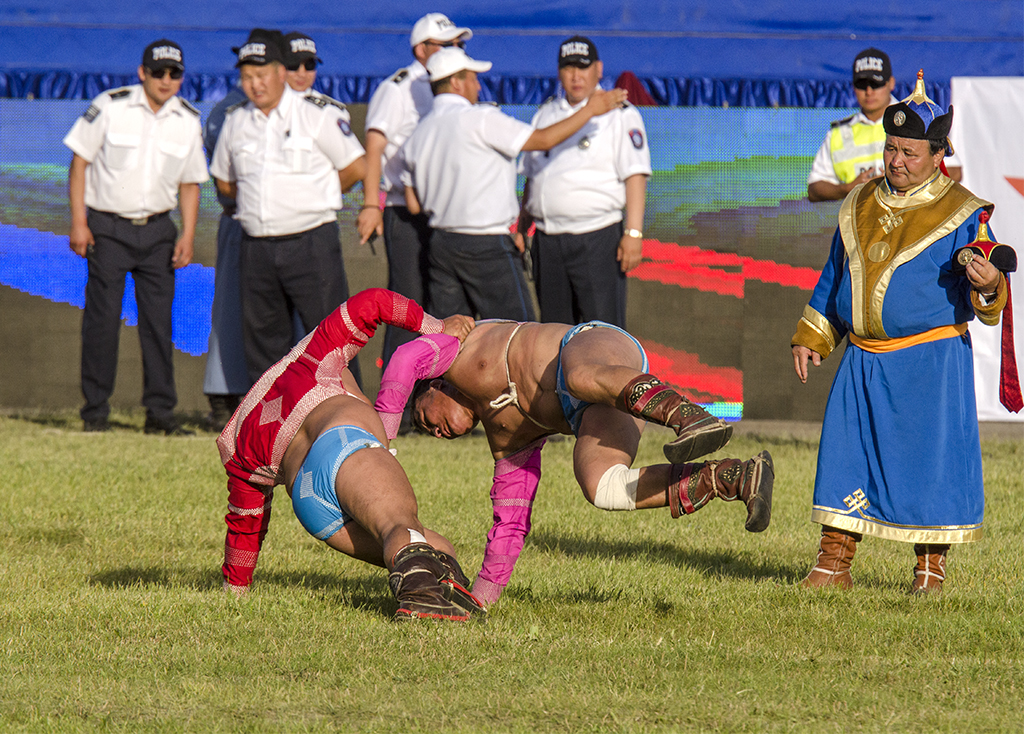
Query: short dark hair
x=934, y=146
x=443, y=85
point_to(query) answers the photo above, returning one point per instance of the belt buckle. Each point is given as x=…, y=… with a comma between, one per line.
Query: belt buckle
x=140, y=221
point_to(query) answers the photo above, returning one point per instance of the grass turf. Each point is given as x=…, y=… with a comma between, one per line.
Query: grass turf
x=112, y=617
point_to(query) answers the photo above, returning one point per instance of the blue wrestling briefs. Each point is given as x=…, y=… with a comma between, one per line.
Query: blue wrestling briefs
x=313, y=497
x=572, y=408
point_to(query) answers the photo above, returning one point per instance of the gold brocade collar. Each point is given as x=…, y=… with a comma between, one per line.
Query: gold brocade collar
x=929, y=191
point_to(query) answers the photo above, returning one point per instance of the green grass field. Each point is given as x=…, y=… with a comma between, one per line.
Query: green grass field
x=112, y=616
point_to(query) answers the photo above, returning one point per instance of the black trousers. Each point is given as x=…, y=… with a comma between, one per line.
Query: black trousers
x=578, y=278
x=282, y=276
x=407, y=241
x=477, y=275
x=144, y=251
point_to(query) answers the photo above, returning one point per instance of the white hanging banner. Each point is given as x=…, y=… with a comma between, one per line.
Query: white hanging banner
x=989, y=143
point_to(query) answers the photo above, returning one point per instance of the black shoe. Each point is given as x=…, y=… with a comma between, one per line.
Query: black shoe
x=96, y=425
x=222, y=407
x=167, y=426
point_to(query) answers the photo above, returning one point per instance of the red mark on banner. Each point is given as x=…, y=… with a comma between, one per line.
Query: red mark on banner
x=698, y=381
x=724, y=273
x=1017, y=183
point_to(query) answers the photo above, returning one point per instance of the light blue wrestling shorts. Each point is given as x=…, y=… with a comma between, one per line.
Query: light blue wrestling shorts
x=572, y=408
x=313, y=497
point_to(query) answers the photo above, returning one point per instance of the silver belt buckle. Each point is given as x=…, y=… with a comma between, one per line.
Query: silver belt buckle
x=140, y=221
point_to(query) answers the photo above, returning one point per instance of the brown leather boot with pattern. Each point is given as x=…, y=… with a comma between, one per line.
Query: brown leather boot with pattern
x=835, y=554
x=930, y=571
x=697, y=432
x=694, y=485
x=415, y=580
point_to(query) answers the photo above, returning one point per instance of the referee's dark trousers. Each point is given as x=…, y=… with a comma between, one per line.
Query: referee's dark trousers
x=145, y=251
x=479, y=275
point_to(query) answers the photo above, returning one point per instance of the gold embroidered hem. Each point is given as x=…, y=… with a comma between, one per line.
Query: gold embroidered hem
x=900, y=533
x=881, y=346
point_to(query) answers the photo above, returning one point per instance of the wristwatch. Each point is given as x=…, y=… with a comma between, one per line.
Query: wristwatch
x=634, y=233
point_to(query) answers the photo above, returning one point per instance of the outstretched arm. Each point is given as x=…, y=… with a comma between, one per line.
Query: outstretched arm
x=421, y=359
x=515, y=485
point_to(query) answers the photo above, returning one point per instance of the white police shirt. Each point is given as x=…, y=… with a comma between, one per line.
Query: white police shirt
x=286, y=164
x=462, y=160
x=580, y=185
x=395, y=108
x=137, y=157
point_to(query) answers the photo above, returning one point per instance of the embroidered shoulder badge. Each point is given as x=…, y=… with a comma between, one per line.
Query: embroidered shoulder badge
x=92, y=113
x=637, y=138
x=344, y=126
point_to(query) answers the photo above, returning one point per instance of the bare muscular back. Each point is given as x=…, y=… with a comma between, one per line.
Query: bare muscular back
x=479, y=373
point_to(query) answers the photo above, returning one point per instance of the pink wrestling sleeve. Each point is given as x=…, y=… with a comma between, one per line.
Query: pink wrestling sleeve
x=248, y=519
x=423, y=358
x=515, y=485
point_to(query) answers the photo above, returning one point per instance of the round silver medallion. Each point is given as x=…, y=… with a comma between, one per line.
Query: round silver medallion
x=899, y=118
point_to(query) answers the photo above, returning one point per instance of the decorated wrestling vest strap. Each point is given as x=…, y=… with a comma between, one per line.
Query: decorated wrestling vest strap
x=882, y=231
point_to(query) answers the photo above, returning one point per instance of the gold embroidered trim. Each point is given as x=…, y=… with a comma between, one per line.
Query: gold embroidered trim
x=821, y=326
x=902, y=533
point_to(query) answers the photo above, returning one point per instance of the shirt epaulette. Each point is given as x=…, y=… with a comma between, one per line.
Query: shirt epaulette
x=188, y=106
x=844, y=121
x=492, y=104
x=400, y=75
x=119, y=93
x=236, y=106
x=322, y=100
x=552, y=98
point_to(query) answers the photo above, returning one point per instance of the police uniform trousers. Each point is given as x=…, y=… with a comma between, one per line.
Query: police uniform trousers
x=407, y=241
x=302, y=274
x=578, y=278
x=479, y=275
x=226, y=371
x=145, y=251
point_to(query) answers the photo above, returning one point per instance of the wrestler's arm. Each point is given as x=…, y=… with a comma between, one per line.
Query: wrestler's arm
x=424, y=358
x=357, y=319
x=515, y=485
x=248, y=519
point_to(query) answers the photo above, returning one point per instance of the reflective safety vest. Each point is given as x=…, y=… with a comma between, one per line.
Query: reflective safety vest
x=856, y=146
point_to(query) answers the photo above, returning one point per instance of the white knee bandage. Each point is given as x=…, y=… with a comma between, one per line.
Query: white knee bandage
x=617, y=489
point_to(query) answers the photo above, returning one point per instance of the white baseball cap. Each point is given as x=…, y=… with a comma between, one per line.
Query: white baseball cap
x=450, y=61
x=438, y=27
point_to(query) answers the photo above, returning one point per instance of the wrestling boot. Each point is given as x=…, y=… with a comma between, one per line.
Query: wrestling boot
x=751, y=481
x=835, y=555
x=697, y=432
x=455, y=584
x=930, y=571
x=415, y=581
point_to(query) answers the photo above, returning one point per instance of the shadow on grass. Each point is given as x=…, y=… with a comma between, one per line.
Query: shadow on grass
x=69, y=421
x=368, y=592
x=708, y=563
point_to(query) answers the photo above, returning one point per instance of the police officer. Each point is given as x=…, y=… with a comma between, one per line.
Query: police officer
x=301, y=61
x=286, y=158
x=137, y=150
x=460, y=169
x=575, y=194
x=395, y=108
x=852, y=151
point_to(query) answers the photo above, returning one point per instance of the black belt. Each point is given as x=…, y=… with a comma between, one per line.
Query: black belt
x=139, y=221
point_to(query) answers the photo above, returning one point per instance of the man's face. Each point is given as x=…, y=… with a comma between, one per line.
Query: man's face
x=438, y=412
x=431, y=46
x=159, y=90
x=909, y=163
x=263, y=85
x=579, y=82
x=302, y=76
x=873, y=100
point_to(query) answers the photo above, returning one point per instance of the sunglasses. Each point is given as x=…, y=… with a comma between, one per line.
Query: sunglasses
x=863, y=84
x=447, y=44
x=308, y=65
x=159, y=73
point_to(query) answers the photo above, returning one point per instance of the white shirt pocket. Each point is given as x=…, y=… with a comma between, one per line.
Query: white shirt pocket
x=122, y=150
x=172, y=160
x=297, y=150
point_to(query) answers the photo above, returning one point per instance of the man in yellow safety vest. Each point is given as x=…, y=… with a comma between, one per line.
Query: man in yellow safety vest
x=851, y=153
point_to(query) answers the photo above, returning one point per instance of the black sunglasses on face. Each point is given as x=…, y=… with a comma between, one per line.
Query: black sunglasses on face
x=447, y=44
x=159, y=73
x=308, y=65
x=863, y=84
